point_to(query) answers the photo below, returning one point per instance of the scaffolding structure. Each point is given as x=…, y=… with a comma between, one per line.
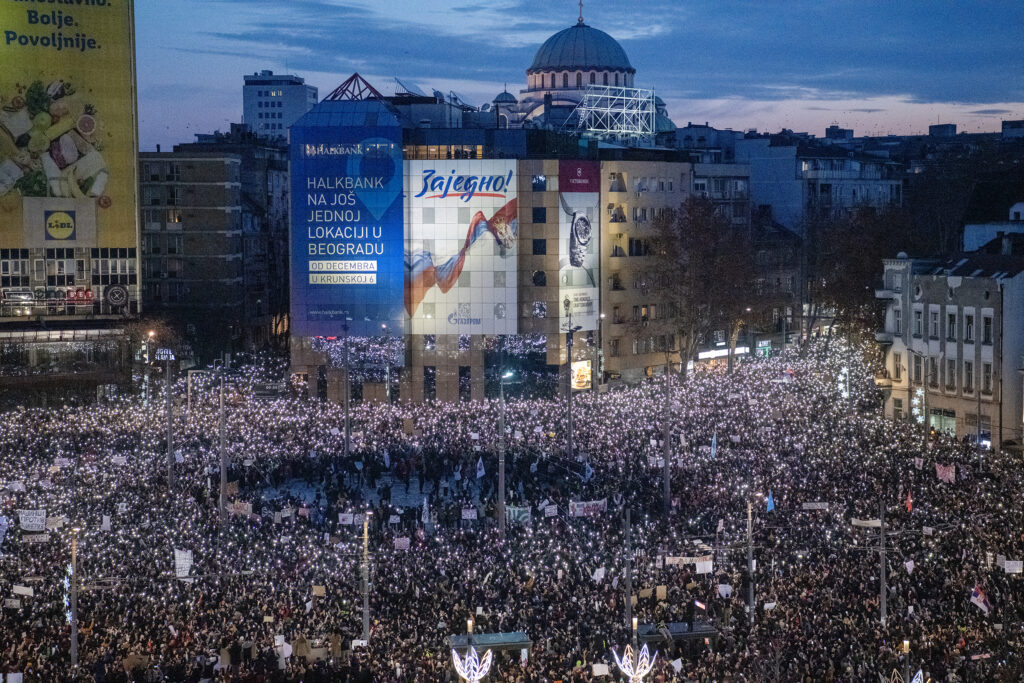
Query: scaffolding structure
x=616, y=114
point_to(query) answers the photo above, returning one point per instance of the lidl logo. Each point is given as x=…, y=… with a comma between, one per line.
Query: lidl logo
x=60, y=225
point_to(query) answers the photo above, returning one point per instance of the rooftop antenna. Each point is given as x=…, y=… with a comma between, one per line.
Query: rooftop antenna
x=581, y=11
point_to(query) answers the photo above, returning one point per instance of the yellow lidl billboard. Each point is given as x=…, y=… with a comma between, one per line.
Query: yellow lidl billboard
x=68, y=133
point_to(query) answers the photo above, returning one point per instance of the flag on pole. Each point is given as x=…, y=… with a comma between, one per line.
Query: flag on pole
x=910, y=502
x=714, y=445
x=588, y=473
x=979, y=598
x=771, y=502
x=480, y=467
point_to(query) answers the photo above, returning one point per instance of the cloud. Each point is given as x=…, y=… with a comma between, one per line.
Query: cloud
x=992, y=112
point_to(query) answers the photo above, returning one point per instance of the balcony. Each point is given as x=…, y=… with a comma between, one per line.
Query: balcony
x=884, y=293
x=884, y=337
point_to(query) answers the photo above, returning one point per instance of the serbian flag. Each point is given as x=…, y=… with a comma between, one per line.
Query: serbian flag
x=979, y=598
x=910, y=502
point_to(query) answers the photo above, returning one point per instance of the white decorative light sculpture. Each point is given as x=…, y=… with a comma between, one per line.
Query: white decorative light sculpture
x=472, y=668
x=636, y=668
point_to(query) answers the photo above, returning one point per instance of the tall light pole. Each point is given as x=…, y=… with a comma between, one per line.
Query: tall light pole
x=366, y=576
x=501, y=453
x=567, y=305
x=598, y=374
x=167, y=356
x=882, y=588
x=348, y=386
x=629, y=570
x=223, y=498
x=145, y=383
x=387, y=363
x=73, y=590
x=750, y=561
x=666, y=447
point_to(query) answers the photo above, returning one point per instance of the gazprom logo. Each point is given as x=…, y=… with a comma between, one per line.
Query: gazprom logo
x=60, y=225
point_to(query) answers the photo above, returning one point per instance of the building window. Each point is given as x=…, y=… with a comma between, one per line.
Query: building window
x=968, y=377
x=613, y=348
x=933, y=371
x=579, y=80
x=465, y=386
x=540, y=247
x=897, y=409
x=429, y=342
x=968, y=329
x=951, y=326
x=951, y=374
x=540, y=214
x=986, y=378
x=540, y=183
x=934, y=317
x=606, y=83
x=593, y=77
x=897, y=366
x=986, y=329
x=565, y=80
x=918, y=322
x=897, y=321
x=616, y=78
x=540, y=278
x=918, y=372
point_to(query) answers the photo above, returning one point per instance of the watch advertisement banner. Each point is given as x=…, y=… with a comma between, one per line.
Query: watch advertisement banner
x=461, y=248
x=68, y=139
x=579, y=231
x=347, y=224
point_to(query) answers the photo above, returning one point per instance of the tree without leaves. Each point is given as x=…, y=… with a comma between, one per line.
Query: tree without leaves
x=704, y=272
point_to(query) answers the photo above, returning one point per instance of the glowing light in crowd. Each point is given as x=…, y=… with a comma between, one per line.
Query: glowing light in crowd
x=472, y=668
x=636, y=668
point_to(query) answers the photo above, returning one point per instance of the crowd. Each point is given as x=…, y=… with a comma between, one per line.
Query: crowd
x=168, y=591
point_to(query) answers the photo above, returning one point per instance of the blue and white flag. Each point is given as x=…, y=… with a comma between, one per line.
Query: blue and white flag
x=480, y=467
x=771, y=502
x=714, y=445
x=588, y=473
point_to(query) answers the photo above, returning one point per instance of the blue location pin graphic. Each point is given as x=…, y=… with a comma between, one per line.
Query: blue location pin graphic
x=378, y=162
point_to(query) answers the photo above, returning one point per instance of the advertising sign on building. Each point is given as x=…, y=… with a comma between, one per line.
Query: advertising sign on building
x=461, y=258
x=582, y=373
x=67, y=125
x=579, y=231
x=347, y=225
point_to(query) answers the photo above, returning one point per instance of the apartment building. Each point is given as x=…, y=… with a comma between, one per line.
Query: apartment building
x=954, y=342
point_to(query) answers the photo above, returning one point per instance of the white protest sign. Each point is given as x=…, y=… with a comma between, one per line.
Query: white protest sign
x=182, y=563
x=600, y=670
x=32, y=520
x=1013, y=566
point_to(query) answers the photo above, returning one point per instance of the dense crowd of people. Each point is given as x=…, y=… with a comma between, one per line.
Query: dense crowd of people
x=169, y=591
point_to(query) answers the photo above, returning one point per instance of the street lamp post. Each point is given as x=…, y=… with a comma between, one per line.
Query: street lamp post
x=567, y=305
x=73, y=590
x=501, y=453
x=145, y=382
x=598, y=374
x=170, y=420
x=387, y=364
x=750, y=560
x=666, y=446
x=348, y=386
x=222, y=453
x=366, y=576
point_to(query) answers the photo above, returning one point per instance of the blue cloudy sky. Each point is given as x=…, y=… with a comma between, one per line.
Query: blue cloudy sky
x=876, y=66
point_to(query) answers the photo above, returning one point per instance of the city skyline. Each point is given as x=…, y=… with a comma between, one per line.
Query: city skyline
x=873, y=67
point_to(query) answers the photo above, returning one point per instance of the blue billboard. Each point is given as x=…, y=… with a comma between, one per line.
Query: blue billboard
x=347, y=228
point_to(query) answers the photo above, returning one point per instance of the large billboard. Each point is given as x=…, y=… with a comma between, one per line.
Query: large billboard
x=461, y=249
x=579, y=232
x=347, y=225
x=68, y=136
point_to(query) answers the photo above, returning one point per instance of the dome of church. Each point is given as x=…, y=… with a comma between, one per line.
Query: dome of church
x=581, y=48
x=505, y=98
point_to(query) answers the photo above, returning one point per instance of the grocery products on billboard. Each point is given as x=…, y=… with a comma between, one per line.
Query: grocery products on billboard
x=67, y=124
x=578, y=233
x=347, y=223
x=461, y=245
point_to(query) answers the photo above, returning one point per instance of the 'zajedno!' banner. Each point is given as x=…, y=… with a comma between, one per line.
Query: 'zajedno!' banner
x=67, y=124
